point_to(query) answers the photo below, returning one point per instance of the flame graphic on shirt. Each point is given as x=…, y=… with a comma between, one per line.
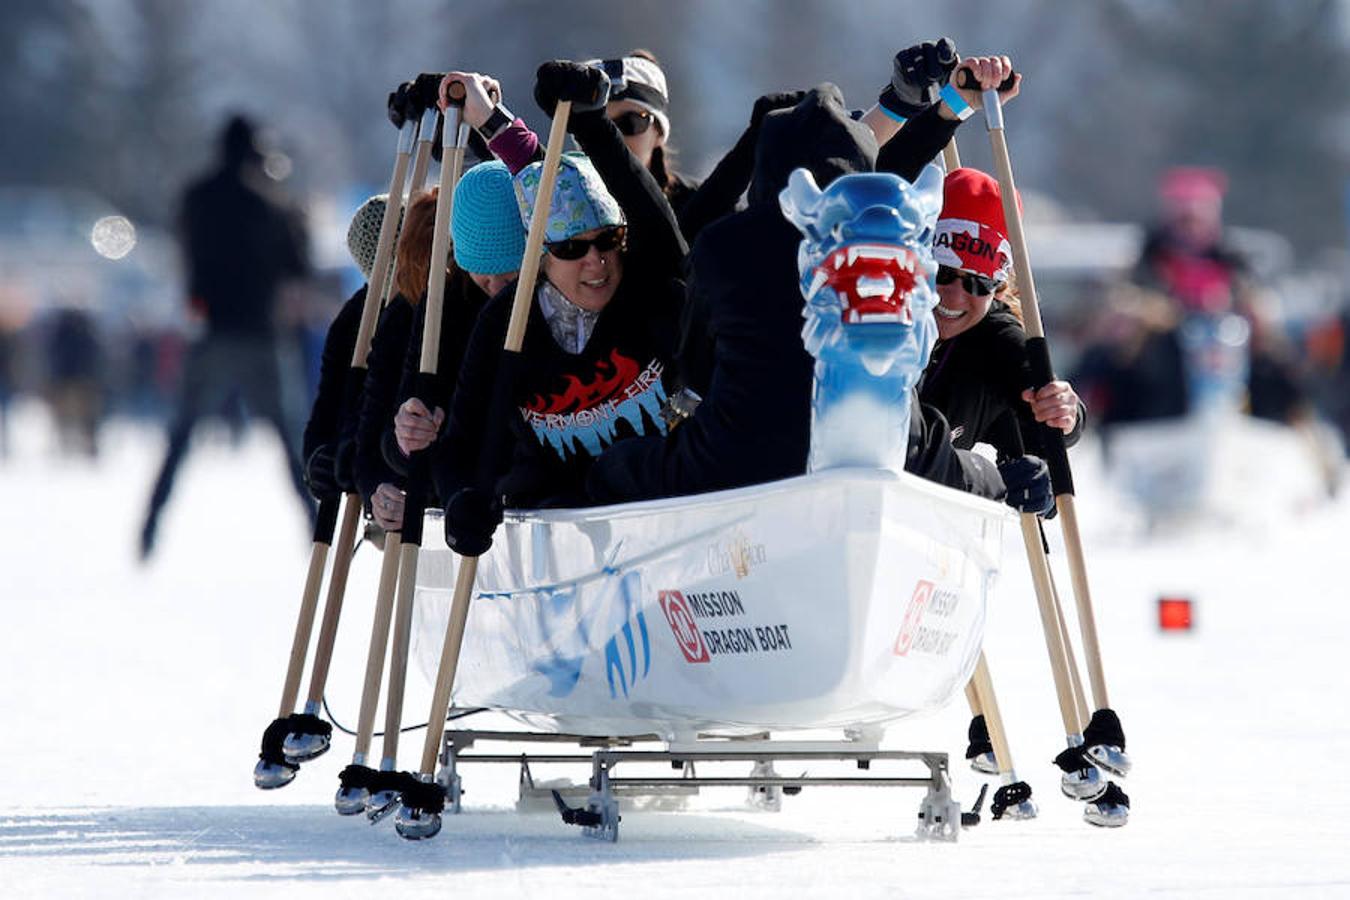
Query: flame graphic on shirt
x=584, y=416
x=611, y=376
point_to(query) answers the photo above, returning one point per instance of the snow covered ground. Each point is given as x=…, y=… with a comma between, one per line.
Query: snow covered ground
x=133, y=697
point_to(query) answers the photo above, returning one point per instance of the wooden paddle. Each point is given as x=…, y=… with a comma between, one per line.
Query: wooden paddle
x=416, y=821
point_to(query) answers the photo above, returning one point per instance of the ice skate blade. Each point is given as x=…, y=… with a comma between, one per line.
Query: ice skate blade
x=1024, y=810
x=1106, y=815
x=300, y=748
x=269, y=776
x=381, y=804
x=351, y=801
x=1083, y=784
x=984, y=763
x=1112, y=759
x=414, y=825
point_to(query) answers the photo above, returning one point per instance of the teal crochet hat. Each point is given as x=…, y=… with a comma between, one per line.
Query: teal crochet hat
x=580, y=200
x=485, y=223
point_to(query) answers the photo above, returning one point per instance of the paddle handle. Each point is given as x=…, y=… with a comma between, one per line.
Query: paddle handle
x=380, y=274
x=379, y=643
x=951, y=157
x=304, y=626
x=1087, y=619
x=398, y=653
x=1070, y=658
x=426, y=135
x=534, y=240
x=515, y=336
x=332, y=608
x=993, y=719
x=1042, y=373
x=449, y=663
x=1054, y=642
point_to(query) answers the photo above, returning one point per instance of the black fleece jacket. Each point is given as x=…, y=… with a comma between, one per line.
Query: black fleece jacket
x=977, y=379
x=329, y=417
x=379, y=399
x=754, y=424
x=463, y=303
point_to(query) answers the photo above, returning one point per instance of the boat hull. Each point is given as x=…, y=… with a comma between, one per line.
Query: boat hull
x=842, y=599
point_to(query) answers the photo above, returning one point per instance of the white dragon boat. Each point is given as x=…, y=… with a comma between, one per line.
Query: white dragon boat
x=848, y=598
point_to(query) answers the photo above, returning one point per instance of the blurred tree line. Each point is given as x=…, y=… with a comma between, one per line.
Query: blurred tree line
x=124, y=97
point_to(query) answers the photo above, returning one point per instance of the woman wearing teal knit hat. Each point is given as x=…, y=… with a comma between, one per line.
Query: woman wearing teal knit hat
x=598, y=343
x=487, y=243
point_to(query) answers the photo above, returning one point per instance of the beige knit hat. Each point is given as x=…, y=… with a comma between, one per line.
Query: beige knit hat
x=363, y=235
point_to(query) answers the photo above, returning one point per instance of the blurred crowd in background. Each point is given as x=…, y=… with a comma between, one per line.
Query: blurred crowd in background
x=1184, y=166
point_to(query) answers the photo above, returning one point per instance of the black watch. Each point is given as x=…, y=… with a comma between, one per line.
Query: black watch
x=498, y=121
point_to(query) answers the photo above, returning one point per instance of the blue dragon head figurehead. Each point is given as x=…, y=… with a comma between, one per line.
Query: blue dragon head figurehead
x=867, y=269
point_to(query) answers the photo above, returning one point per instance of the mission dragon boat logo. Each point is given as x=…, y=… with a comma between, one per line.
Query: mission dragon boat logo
x=686, y=611
x=915, y=635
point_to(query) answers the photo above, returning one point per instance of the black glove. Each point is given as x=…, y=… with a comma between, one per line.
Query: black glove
x=426, y=90
x=470, y=518
x=321, y=473
x=562, y=79
x=920, y=73
x=399, y=104
x=344, y=466
x=1027, y=479
x=769, y=102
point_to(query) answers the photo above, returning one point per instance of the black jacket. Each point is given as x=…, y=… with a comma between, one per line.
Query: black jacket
x=329, y=416
x=463, y=303
x=976, y=379
x=379, y=398
x=240, y=243
x=754, y=424
x=921, y=139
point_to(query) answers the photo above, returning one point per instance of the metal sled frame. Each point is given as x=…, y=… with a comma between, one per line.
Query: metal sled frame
x=939, y=814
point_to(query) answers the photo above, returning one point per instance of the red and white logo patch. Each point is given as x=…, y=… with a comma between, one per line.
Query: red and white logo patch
x=682, y=625
x=923, y=593
x=972, y=246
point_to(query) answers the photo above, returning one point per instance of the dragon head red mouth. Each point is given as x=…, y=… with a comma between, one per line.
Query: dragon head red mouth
x=873, y=283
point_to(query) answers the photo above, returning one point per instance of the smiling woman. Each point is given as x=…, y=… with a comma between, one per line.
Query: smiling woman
x=978, y=375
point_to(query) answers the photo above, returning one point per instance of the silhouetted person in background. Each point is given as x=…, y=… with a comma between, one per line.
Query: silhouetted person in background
x=240, y=243
x=75, y=373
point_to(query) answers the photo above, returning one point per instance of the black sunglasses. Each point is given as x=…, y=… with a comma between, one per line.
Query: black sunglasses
x=575, y=248
x=635, y=121
x=975, y=285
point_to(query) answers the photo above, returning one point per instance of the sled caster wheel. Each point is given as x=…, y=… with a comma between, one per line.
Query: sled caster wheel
x=939, y=820
x=608, y=829
x=269, y=776
x=416, y=825
x=765, y=799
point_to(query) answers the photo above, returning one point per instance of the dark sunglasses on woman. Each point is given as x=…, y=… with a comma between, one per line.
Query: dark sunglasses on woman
x=611, y=238
x=635, y=121
x=975, y=285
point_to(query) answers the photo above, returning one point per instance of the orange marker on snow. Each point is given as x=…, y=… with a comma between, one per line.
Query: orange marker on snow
x=1174, y=614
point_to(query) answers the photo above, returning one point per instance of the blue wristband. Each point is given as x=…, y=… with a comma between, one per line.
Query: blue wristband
x=890, y=114
x=955, y=102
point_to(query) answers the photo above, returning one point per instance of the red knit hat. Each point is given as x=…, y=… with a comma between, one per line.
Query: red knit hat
x=971, y=232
